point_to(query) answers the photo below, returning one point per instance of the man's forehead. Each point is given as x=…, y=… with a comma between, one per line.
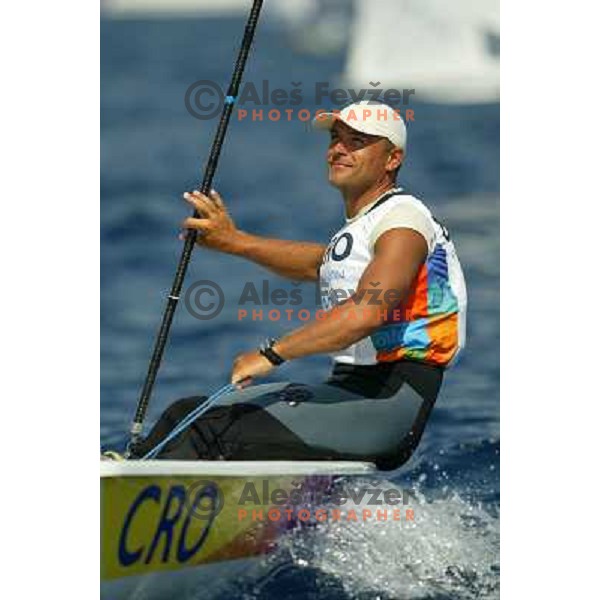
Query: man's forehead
x=339, y=127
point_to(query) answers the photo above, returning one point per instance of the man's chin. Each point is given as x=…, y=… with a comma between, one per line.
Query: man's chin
x=338, y=182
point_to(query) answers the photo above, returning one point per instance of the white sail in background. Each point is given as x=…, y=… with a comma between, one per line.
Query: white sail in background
x=295, y=12
x=446, y=51
x=317, y=27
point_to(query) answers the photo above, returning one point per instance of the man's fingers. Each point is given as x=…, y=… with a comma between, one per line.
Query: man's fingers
x=201, y=203
x=241, y=383
x=216, y=198
x=198, y=224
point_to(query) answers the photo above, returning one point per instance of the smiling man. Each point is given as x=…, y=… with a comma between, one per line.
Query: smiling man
x=395, y=302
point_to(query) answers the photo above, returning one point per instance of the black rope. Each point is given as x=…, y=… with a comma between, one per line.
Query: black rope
x=211, y=167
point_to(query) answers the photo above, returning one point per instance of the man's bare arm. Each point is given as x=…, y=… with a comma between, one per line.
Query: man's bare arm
x=399, y=254
x=298, y=261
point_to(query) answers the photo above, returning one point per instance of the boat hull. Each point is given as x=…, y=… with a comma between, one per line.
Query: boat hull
x=176, y=527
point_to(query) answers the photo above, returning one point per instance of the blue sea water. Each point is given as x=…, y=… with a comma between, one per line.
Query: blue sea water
x=272, y=177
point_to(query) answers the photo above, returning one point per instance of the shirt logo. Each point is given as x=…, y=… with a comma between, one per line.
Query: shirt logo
x=340, y=247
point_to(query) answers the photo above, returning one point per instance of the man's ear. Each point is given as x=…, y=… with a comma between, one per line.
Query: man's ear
x=395, y=159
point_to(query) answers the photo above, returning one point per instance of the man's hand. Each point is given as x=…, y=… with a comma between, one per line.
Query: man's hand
x=298, y=261
x=216, y=229
x=249, y=365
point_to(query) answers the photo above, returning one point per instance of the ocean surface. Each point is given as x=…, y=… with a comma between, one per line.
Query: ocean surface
x=272, y=177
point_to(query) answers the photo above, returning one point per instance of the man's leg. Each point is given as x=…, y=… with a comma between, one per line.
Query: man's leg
x=236, y=432
x=289, y=421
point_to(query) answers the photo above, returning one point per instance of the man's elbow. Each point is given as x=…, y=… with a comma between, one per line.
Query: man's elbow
x=362, y=324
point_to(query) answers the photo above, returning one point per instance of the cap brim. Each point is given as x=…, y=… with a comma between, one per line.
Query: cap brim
x=325, y=121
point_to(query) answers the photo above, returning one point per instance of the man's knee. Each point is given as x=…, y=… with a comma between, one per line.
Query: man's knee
x=181, y=408
x=404, y=450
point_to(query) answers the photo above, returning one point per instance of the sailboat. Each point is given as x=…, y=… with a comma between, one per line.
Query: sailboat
x=447, y=53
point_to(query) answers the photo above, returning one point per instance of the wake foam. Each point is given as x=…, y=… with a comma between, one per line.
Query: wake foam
x=450, y=549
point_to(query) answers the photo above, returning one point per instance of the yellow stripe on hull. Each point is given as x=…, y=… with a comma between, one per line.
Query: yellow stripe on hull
x=160, y=516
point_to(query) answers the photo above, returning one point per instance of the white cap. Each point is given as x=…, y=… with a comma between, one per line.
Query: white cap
x=368, y=116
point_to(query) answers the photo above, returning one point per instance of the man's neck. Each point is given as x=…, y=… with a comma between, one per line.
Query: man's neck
x=355, y=200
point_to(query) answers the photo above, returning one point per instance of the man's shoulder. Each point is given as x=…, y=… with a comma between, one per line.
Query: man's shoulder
x=403, y=203
x=398, y=197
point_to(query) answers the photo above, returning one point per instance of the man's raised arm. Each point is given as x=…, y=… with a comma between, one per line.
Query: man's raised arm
x=298, y=261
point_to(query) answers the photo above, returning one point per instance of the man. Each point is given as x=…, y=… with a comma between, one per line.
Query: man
x=395, y=303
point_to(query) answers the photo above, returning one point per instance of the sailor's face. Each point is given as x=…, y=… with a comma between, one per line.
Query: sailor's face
x=355, y=158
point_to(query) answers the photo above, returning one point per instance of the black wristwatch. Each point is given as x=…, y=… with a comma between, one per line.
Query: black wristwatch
x=267, y=351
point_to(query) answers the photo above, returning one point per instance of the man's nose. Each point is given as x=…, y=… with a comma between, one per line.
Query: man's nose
x=338, y=147
x=341, y=143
